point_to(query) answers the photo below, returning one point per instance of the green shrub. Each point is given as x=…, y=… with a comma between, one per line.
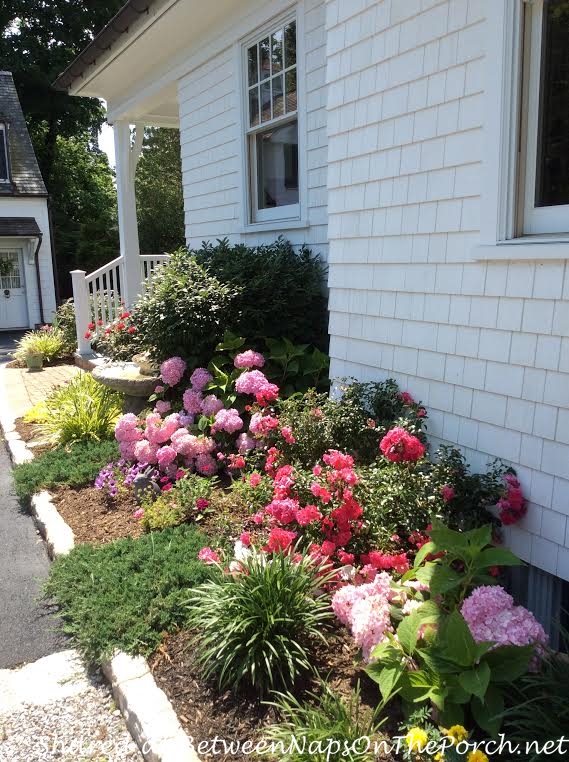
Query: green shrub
x=185, y=312
x=180, y=504
x=319, y=724
x=74, y=465
x=256, y=627
x=278, y=292
x=64, y=322
x=80, y=410
x=49, y=342
x=127, y=593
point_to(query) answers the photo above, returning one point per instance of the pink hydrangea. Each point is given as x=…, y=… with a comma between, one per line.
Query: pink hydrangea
x=227, y=420
x=249, y=359
x=209, y=556
x=162, y=406
x=165, y=456
x=365, y=610
x=126, y=450
x=145, y=451
x=200, y=378
x=262, y=425
x=398, y=445
x=251, y=382
x=211, y=405
x=126, y=428
x=172, y=370
x=491, y=615
x=159, y=431
x=206, y=465
x=245, y=443
x=192, y=401
x=185, y=443
x=204, y=445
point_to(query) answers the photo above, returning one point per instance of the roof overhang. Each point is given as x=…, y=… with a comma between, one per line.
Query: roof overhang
x=19, y=227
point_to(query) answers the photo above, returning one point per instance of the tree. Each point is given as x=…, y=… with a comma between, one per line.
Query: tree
x=160, y=203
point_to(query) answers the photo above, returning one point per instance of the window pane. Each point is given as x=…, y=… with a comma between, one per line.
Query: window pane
x=13, y=280
x=3, y=157
x=254, y=107
x=278, y=100
x=266, y=101
x=277, y=166
x=290, y=44
x=552, y=177
x=277, y=51
x=265, y=55
x=290, y=79
x=252, y=65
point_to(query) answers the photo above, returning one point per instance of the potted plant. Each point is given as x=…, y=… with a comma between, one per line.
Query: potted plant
x=34, y=361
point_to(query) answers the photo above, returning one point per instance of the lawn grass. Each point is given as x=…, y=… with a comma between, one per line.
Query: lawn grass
x=125, y=594
x=73, y=465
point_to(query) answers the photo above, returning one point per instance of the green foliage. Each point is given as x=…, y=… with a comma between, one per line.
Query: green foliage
x=159, y=198
x=463, y=564
x=64, y=322
x=179, y=504
x=325, y=721
x=537, y=709
x=186, y=311
x=50, y=344
x=80, y=410
x=255, y=628
x=127, y=593
x=73, y=465
x=279, y=292
x=254, y=498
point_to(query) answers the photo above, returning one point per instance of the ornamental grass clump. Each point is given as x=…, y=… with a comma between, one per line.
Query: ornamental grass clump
x=256, y=627
x=81, y=410
x=48, y=342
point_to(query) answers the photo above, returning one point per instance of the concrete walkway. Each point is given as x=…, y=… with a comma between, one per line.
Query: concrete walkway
x=21, y=389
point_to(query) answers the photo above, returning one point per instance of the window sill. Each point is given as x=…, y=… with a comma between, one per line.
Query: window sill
x=274, y=225
x=525, y=248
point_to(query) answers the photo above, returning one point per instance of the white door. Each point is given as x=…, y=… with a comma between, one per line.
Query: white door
x=13, y=302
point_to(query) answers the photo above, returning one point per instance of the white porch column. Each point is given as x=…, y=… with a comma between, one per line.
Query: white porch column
x=126, y=158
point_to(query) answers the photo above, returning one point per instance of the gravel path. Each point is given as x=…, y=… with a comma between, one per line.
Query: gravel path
x=51, y=710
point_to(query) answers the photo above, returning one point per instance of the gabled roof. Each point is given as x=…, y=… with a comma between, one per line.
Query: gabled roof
x=24, y=170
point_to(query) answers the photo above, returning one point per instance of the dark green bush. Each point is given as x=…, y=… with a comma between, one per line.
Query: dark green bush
x=64, y=321
x=74, y=465
x=185, y=312
x=279, y=292
x=125, y=594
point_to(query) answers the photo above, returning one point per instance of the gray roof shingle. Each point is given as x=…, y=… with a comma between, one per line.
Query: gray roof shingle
x=25, y=172
x=19, y=227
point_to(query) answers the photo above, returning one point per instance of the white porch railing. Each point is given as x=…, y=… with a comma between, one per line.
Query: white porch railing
x=98, y=296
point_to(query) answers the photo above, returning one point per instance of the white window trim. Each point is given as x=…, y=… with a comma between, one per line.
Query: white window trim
x=499, y=236
x=279, y=219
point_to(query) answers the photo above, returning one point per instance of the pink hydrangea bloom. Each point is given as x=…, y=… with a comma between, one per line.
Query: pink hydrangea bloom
x=249, y=359
x=398, y=445
x=192, y=401
x=245, y=443
x=251, y=382
x=172, y=370
x=127, y=450
x=227, y=420
x=206, y=465
x=162, y=406
x=159, y=431
x=209, y=556
x=491, y=615
x=166, y=455
x=126, y=428
x=204, y=445
x=159, y=389
x=261, y=425
x=211, y=405
x=200, y=378
x=185, y=443
x=145, y=452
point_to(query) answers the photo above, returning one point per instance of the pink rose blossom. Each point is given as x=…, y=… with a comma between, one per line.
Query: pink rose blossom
x=398, y=445
x=209, y=556
x=447, y=493
x=287, y=435
x=255, y=479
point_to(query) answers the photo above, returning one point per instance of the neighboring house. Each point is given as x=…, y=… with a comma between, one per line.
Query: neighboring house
x=422, y=147
x=27, y=291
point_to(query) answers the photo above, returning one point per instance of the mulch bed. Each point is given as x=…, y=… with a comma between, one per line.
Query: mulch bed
x=94, y=516
x=31, y=433
x=205, y=713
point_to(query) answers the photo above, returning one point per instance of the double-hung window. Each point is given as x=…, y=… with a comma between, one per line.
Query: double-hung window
x=272, y=125
x=4, y=166
x=544, y=176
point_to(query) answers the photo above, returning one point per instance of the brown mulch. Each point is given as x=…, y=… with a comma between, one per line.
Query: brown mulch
x=31, y=433
x=205, y=713
x=94, y=516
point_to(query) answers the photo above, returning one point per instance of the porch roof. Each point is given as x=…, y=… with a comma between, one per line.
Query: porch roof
x=19, y=227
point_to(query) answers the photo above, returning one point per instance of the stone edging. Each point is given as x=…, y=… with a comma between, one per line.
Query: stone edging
x=149, y=715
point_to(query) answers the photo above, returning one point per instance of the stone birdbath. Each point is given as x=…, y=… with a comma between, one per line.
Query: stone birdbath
x=128, y=378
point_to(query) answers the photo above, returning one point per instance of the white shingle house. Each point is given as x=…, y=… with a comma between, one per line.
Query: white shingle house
x=422, y=147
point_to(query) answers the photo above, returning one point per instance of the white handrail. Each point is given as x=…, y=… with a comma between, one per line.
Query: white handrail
x=103, y=269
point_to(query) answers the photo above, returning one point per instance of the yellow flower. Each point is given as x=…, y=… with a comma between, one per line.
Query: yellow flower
x=416, y=738
x=477, y=756
x=439, y=757
x=457, y=733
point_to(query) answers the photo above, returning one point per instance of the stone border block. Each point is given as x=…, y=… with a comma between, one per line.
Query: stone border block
x=57, y=534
